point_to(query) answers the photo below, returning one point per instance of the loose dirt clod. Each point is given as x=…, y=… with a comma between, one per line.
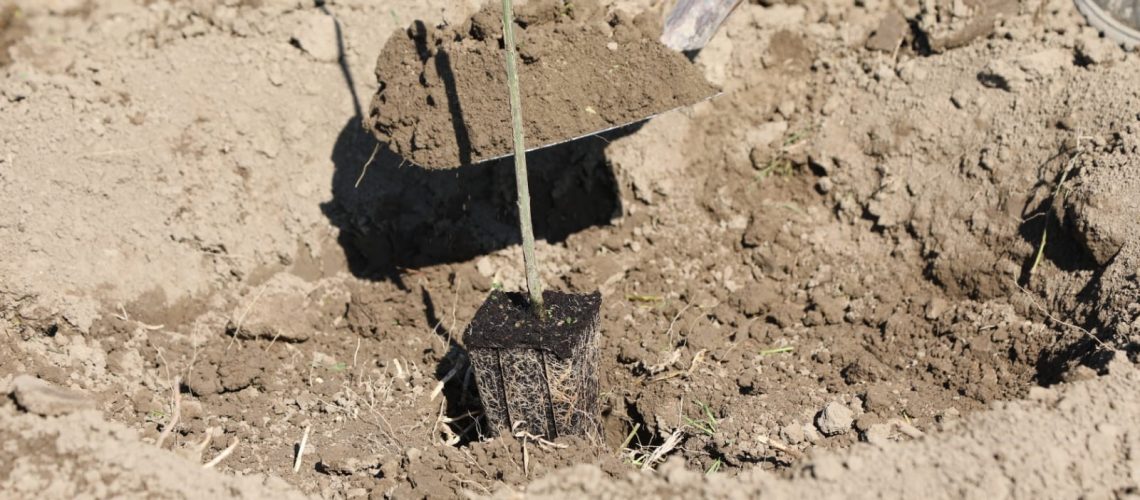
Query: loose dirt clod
x=440, y=102
x=43, y=398
x=835, y=419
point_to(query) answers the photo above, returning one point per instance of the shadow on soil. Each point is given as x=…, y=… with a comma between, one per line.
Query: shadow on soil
x=394, y=215
x=402, y=216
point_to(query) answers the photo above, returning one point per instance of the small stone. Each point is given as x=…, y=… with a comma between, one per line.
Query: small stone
x=835, y=419
x=888, y=36
x=43, y=398
x=340, y=465
x=413, y=454
x=793, y=433
x=824, y=185
x=810, y=434
x=786, y=109
x=879, y=400
x=356, y=493
x=612, y=46
x=1095, y=50
x=757, y=299
x=935, y=308
x=766, y=134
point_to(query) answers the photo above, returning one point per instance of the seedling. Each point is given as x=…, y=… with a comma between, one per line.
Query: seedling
x=1056, y=193
x=715, y=467
x=535, y=357
x=707, y=423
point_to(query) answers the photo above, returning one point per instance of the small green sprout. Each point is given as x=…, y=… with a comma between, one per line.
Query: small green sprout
x=706, y=425
x=715, y=467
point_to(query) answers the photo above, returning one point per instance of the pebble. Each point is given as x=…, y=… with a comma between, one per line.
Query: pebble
x=413, y=454
x=793, y=433
x=835, y=419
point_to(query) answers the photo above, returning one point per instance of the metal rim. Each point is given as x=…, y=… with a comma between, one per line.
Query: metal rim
x=1112, y=27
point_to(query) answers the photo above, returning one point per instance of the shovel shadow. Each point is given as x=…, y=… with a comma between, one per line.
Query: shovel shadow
x=394, y=215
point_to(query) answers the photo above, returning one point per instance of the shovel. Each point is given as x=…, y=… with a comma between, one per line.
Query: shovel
x=422, y=133
x=688, y=28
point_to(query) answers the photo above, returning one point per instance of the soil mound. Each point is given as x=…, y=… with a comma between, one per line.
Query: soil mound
x=442, y=100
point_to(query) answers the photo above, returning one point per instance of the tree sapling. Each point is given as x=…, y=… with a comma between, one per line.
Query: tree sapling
x=535, y=355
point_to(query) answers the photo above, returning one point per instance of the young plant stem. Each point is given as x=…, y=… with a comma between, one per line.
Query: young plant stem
x=533, y=282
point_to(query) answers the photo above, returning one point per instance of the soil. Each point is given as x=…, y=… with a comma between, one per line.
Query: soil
x=826, y=281
x=442, y=102
x=521, y=357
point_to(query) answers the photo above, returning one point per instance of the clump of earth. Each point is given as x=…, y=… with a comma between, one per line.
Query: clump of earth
x=442, y=99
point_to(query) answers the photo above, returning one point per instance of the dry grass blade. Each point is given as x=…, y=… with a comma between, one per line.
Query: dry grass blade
x=1057, y=320
x=176, y=396
x=222, y=456
x=1056, y=192
x=301, y=448
x=669, y=445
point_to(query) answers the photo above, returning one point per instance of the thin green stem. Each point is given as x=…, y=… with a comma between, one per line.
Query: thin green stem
x=533, y=282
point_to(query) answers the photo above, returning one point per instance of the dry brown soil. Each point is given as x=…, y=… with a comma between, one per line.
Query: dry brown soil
x=824, y=282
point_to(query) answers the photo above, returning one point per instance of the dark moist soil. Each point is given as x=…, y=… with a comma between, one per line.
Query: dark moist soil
x=442, y=98
x=505, y=321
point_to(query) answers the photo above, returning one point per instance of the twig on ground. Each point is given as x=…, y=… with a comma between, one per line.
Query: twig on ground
x=443, y=381
x=301, y=448
x=777, y=445
x=777, y=350
x=222, y=456
x=241, y=321
x=126, y=317
x=201, y=448
x=366, y=164
x=176, y=395
x=669, y=332
x=526, y=436
x=670, y=443
x=1044, y=311
x=357, y=351
x=629, y=438
x=697, y=359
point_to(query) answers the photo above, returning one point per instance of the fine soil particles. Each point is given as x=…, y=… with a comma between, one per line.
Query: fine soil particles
x=443, y=102
x=897, y=256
